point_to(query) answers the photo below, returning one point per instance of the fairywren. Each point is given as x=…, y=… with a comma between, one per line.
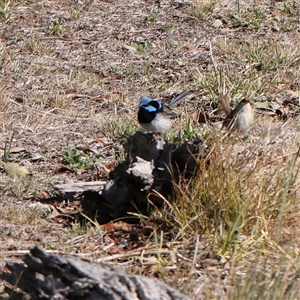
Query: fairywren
x=154, y=117
x=239, y=119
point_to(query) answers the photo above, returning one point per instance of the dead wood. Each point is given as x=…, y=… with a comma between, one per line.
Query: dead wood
x=80, y=187
x=48, y=276
x=151, y=167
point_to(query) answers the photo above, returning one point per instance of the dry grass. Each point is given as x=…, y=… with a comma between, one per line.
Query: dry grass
x=72, y=74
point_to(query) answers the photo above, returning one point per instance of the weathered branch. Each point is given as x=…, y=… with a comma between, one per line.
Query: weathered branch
x=150, y=169
x=48, y=276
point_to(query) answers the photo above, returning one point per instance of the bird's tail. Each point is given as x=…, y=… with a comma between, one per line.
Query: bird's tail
x=179, y=98
x=224, y=100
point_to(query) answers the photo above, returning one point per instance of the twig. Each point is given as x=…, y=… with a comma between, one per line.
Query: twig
x=132, y=254
x=22, y=252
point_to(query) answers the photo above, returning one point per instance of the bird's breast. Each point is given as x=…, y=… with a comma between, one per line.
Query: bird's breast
x=159, y=123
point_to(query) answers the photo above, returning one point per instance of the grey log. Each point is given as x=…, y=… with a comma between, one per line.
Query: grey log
x=49, y=276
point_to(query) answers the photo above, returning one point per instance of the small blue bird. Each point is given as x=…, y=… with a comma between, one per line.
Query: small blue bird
x=154, y=117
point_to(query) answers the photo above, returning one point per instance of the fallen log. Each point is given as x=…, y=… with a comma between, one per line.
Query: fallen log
x=49, y=276
x=148, y=173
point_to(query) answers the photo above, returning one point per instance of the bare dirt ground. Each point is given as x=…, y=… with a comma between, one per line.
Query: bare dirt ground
x=72, y=73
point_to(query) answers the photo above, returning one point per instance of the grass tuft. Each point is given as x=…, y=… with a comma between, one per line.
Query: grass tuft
x=236, y=196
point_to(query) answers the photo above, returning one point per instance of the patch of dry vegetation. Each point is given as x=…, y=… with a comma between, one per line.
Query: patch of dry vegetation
x=71, y=75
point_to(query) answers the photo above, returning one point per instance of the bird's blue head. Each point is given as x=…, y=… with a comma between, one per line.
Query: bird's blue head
x=150, y=105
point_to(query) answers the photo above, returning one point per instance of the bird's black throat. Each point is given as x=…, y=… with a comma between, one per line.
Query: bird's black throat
x=145, y=116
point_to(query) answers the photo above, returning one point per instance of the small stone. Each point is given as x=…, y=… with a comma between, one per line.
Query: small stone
x=217, y=24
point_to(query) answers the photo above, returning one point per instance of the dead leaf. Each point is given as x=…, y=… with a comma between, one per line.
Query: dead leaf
x=15, y=170
x=106, y=169
x=43, y=195
x=16, y=149
x=110, y=166
x=104, y=143
x=37, y=157
x=112, y=95
x=81, y=172
x=130, y=48
x=12, y=150
x=61, y=212
x=117, y=226
x=54, y=213
x=262, y=105
x=188, y=47
x=68, y=211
